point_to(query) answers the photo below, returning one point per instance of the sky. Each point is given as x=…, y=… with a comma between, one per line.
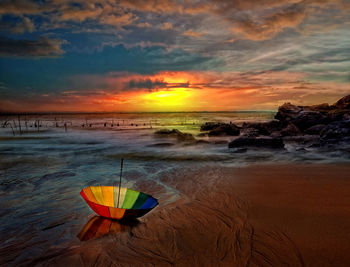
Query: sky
x=188, y=55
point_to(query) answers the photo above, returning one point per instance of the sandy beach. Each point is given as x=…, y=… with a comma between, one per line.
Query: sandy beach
x=175, y=133
x=263, y=215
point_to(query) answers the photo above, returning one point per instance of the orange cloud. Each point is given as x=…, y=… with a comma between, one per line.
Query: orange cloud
x=191, y=33
x=166, y=26
x=270, y=26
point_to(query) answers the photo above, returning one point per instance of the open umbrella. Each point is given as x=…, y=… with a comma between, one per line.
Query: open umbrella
x=118, y=202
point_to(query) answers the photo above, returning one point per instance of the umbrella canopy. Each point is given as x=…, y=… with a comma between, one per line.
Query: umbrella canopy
x=106, y=201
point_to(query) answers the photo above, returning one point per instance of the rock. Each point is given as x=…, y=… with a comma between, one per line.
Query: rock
x=338, y=114
x=316, y=129
x=343, y=103
x=208, y=126
x=220, y=129
x=346, y=116
x=276, y=134
x=321, y=107
x=261, y=128
x=307, y=119
x=175, y=134
x=336, y=130
x=265, y=142
x=250, y=132
x=225, y=129
x=290, y=130
x=287, y=112
x=304, y=140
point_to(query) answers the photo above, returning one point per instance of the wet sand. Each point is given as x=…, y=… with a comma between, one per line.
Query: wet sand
x=267, y=215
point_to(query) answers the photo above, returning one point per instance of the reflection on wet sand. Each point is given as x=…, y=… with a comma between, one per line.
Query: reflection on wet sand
x=98, y=226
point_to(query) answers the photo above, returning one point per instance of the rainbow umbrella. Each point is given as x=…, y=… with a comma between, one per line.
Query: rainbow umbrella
x=118, y=202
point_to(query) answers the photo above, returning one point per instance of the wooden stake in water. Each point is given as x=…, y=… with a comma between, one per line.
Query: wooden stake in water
x=120, y=180
x=19, y=123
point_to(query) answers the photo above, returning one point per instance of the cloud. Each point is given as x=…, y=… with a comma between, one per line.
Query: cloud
x=166, y=26
x=80, y=14
x=22, y=25
x=250, y=19
x=121, y=20
x=144, y=25
x=42, y=47
x=22, y=7
x=269, y=26
x=153, y=84
x=194, y=34
x=164, y=6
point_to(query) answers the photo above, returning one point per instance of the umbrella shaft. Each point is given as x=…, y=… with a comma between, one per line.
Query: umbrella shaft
x=120, y=180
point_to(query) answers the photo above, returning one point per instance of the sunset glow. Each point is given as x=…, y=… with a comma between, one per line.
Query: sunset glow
x=171, y=100
x=194, y=56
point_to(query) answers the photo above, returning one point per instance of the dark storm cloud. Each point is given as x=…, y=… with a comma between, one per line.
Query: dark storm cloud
x=17, y=26
x=42, y=47
x=152, y=84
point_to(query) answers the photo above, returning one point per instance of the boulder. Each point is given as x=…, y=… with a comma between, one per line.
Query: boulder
x=290, y=130
x=343, y=103
x=208, y=126
x=261, y=128
x=321, y=107
x=250, y=132
x=307, y=119
x=315, y=130
x=336, y=130
x=225, y=129
x=220, y=129
x=287, y=112
x=338, y=114
x=264, y=142
x=183, y=137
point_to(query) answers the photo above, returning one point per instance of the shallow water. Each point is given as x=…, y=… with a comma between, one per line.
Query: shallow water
x=42, y=172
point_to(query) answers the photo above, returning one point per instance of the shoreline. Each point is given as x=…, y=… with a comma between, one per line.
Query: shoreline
x=260, y=215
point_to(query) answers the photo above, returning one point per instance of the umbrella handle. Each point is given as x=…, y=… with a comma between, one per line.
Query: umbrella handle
x=120, y=179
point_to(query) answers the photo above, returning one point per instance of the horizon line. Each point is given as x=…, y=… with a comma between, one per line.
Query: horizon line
x=123, y=112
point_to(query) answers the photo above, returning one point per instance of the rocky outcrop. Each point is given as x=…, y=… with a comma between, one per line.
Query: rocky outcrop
x=306, y=125
x=324, y=120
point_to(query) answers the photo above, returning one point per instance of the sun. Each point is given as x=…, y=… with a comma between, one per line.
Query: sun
x=167, y=100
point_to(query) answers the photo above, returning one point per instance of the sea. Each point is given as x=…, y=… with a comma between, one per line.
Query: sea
x=47, y=159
